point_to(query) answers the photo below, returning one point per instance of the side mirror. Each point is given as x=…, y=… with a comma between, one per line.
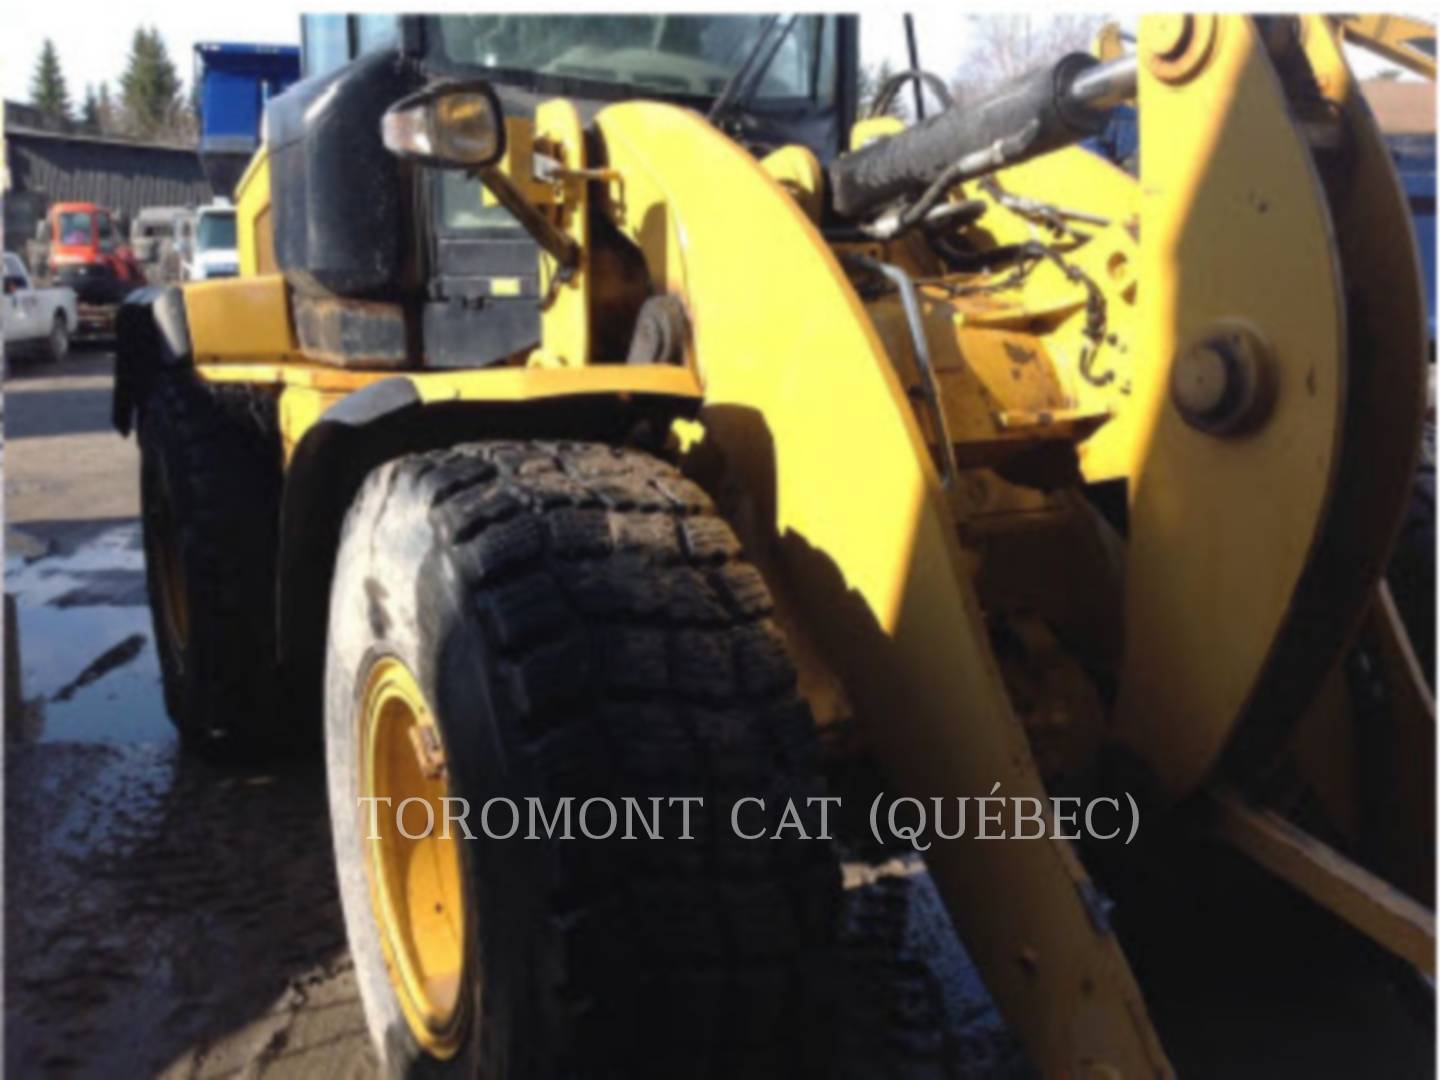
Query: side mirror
x=453, y=125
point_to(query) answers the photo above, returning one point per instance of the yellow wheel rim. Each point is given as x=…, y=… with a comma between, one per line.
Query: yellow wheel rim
x=415, y=885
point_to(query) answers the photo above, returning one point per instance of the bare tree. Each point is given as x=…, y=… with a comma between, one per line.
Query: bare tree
x=870, y=78
x=1004, y=46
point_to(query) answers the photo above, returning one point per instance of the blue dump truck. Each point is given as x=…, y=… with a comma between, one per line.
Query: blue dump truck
x=1120, y=141
x=235, y=82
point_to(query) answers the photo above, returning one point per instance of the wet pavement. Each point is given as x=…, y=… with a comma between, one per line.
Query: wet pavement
x=168, y=917
x=164, y=917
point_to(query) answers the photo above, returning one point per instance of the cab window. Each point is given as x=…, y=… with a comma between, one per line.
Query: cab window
x=76, y=227
x=328, y=42
x=694, y=55
x=216, y=232
x=376, y=32
x=324, y=43
x=804, y=65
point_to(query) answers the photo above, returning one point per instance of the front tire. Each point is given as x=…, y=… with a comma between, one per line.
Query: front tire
x=515, y=620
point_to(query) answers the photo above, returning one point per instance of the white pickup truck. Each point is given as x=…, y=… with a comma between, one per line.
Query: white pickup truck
x=38, y=319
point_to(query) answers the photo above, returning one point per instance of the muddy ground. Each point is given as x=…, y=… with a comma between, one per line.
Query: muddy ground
x=164, y=917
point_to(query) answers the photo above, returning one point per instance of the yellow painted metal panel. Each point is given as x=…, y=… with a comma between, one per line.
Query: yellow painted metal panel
x=866, y=131
x=307, y=389
x=254, y=235
x=1385, y=401
x=240, y=319
x=1235, y=230
x=484, y=384
x=524, y=384
x=798, y=171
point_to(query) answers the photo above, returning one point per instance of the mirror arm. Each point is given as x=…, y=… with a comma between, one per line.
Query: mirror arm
x=563, y=249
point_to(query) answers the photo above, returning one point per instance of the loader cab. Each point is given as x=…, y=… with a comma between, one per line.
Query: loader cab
x=455, y=276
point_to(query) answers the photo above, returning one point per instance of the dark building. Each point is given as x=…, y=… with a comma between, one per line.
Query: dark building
x=48, y=166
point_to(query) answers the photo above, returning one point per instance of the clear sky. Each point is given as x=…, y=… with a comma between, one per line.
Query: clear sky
x=94, y=38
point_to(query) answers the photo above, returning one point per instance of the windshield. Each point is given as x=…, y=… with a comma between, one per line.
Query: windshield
x=75, y=227
x=215, y=231
x=685, y=55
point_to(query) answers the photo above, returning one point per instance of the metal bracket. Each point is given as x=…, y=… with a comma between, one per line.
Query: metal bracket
x=930, y=385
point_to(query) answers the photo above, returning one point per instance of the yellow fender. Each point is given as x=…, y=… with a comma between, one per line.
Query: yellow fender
x=827, y=478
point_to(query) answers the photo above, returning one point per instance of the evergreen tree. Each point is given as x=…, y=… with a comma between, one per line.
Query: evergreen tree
x=90, y=111
x=150, y=87
x=48, y=92
x=108, y=122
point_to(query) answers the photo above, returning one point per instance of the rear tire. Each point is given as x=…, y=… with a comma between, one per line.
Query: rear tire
x=210, y=479
x=579, y=624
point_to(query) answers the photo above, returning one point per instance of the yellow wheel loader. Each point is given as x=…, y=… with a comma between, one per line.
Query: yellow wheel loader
x=604, y=407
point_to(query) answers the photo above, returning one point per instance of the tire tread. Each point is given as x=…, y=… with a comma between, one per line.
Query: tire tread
x=637, y=655
x=221, y=447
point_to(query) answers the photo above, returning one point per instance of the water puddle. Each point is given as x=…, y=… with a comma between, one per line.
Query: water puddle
x=88, y=667
x=164, y=914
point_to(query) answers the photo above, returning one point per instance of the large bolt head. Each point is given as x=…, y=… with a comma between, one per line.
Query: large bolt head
x=1201, y=380
x=1222, y=384
x=1169, y=33
x=1176, y=47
